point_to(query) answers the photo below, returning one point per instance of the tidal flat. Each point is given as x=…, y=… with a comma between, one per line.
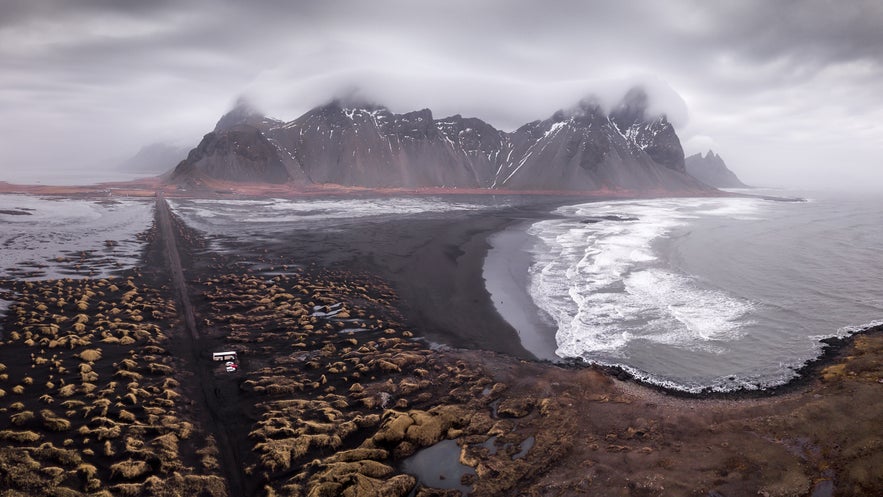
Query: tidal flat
x=108, y=386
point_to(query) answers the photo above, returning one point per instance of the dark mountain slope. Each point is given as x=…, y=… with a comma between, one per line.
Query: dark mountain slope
x=713, y=171
x=240, y=153
x=369, y=146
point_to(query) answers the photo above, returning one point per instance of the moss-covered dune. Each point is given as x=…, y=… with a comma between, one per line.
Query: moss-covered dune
x=93, y=406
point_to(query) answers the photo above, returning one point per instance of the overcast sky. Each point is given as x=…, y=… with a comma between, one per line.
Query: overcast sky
x=790, y=93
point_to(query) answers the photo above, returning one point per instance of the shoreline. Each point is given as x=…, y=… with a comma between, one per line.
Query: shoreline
x=834, y=351
x=537, y=338
x=148, y=186
x=507, y=279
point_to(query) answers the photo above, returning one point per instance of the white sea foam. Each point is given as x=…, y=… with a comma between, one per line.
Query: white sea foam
x=850, y=330
x=603, y=285
x=745, y=209
x=708, y=294
x=206, y=213
x=719, y=384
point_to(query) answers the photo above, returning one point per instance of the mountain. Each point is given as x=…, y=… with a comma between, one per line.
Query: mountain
x=154, y=158
x=585, y=149
x=238, y=150
x=713, y=171
x=244, y=113
x=365, y=145
x=373, y=147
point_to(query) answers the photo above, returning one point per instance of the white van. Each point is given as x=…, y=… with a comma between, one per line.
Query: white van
x=225, y=356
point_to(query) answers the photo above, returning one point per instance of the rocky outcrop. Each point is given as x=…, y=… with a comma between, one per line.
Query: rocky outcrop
x=242, y=154
x=363, y=145
x=713, y=171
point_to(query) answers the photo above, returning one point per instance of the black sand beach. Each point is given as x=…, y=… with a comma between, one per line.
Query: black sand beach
x=506, y=269
x=435, y=262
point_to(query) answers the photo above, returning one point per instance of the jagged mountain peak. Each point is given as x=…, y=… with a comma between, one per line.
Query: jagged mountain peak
x=354, y=142
x=712, y=170
x=241, y=112
x=586, y=110
x=244, y=113
x=352, y=104
x=631, y=109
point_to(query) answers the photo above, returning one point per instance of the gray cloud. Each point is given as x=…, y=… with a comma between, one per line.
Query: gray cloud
x=774, y=86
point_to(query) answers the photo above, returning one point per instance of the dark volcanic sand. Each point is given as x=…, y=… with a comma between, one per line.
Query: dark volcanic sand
x=435, y=264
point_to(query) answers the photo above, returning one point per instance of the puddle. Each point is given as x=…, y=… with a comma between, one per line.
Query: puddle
x=439, y=466
x=329, y=310
x=274, y=274
x=4, y=307
x=490, y=445
x=525, y=446
x=824, y=488
x=494, y=406
x=351, y=331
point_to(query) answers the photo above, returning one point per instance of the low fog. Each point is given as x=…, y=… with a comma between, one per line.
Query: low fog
x=788, y=93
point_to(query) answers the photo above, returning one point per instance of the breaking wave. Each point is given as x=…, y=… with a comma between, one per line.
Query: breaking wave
x=705, y=294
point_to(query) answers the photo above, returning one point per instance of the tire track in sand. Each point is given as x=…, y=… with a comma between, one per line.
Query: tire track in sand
x=202, y=378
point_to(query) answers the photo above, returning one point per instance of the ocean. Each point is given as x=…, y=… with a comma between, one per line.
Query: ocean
x=699, y=294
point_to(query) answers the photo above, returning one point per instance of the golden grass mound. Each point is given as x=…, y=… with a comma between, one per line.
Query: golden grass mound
x=90, y=355
x=19, y=436
x=130, y=469
x=21, y=418
x=53, y=422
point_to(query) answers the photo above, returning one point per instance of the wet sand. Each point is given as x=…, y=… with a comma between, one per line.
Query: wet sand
x=436, y=264
x=507, y=279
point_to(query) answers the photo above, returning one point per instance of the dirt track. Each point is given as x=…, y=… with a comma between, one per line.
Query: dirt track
x=203, y=382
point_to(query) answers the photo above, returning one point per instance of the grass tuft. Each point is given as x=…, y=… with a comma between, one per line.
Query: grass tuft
x=90, y=355
x=87, y=470
x=67, y=390
x=53, y=422
x=19, y=436
x=21, y=418
x=129, y=469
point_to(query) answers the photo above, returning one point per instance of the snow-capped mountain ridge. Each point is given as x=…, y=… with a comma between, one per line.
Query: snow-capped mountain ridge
x=367, y=145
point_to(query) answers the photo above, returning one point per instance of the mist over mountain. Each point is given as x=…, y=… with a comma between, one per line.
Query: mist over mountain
x=359, y=144
x=243, y=112
x=712, y=170
x=155, y=158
